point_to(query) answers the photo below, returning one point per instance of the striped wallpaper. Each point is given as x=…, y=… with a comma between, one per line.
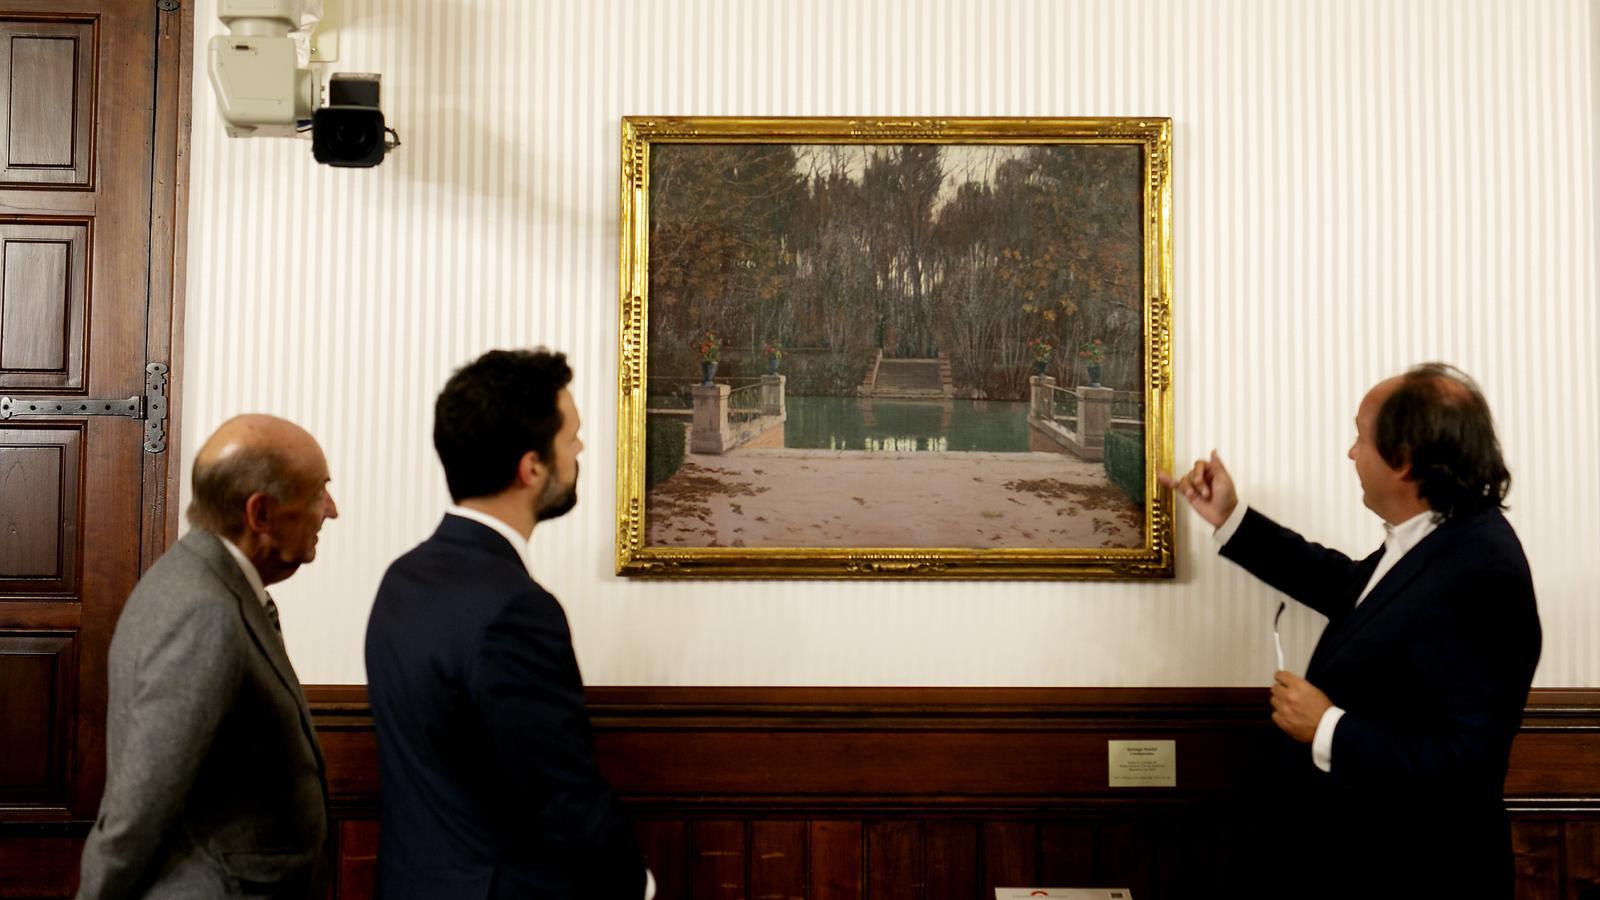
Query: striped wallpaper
x=1358, y=184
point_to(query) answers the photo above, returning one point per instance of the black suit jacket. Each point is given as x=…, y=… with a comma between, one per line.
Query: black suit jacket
x=1432, y=670
x=489, y=786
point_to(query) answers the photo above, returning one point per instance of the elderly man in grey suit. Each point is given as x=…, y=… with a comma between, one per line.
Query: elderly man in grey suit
x=214, y=780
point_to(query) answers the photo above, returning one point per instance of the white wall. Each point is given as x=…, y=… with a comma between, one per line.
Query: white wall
x=1359, y=185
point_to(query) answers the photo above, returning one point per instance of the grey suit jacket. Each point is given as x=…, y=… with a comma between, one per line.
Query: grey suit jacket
x=214, y=779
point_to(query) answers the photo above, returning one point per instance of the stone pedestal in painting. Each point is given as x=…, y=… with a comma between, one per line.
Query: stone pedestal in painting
x=710, y=432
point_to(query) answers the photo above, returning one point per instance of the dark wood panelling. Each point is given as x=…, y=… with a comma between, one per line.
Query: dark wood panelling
x=46, y=103
x=30, y=494
x=91, y=196
x=1536, y=847
x=951, y=851
x=955, y=790
x=40, y=481
x=1010, y=855
x=1066, y=854
x=666, y=852
x=357, y=867
x=39, y=865
x=835, y=860
x=43, y=615
x=1583, y=860
x=169, y=216
x=35, y=718
x=955, y=748
x=27, y=720
x=43, y=81
x=868, y=832
x=1129, y=855
x=717, y=860
x=894, y=860
x=43, y=304
x=35, y=305
x=778, y=860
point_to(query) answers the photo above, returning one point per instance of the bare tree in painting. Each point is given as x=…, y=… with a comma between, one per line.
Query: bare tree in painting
x=906, y=247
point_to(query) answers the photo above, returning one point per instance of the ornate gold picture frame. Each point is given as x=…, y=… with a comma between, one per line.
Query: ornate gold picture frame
x=926, y=348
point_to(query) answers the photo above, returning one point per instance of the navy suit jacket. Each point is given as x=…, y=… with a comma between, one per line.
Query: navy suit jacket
x=489, y=784
x=1432, y=670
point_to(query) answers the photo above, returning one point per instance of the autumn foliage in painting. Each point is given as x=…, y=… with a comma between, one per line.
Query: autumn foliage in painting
x=834, y=252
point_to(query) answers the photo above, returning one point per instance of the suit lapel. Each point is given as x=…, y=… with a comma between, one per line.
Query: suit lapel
x=1384, y=594
x=222, y=564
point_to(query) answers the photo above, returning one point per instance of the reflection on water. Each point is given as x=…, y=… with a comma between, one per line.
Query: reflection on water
x=906, y=426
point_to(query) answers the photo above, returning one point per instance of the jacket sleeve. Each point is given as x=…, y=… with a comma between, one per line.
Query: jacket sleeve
x=1312, y=574
x=185, y=674
x=526, y=685
x=1478, y=643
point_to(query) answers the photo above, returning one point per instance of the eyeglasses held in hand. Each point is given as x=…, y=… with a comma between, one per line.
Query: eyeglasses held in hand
x=1277, y=637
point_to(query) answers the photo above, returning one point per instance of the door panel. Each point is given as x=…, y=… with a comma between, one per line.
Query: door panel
x=79, y=246
x=35, y=720
x=45, y=120
x=40, y=476
x=43, y=305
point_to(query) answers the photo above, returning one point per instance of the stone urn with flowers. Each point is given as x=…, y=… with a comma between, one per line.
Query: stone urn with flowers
x=1041, y=349
x=709, y=347
x=1093, y=355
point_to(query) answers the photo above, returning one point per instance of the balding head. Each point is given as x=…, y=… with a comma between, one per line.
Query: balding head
x=250, y=454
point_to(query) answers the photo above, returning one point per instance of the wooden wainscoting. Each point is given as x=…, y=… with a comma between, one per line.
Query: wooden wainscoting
x=827, y=793
x=823, y=793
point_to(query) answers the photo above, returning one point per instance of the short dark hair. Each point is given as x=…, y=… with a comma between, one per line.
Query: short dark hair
x=1438, y=421
x=491, y=412
x=222, y=486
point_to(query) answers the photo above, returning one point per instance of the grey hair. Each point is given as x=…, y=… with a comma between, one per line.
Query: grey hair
x=222, y=487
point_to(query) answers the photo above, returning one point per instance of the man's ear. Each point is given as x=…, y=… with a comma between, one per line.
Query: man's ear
x=1403, y=471
x=530, y=469
x=258, y=513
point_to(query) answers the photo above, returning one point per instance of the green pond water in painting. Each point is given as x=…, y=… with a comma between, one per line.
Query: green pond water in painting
x=900, y=426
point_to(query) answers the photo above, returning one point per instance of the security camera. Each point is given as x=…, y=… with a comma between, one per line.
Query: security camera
x=349, y=131
x=263, y=90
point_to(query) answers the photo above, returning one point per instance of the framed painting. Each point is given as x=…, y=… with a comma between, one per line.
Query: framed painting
x=928, y=348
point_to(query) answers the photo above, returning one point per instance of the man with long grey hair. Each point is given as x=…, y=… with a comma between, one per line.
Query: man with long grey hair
x=1396, y=740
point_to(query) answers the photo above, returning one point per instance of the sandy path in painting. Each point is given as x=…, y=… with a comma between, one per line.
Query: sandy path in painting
x=819, y=498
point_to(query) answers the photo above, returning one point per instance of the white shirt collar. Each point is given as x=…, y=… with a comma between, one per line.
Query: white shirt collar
x=512, y=536
x=1399, y=539
x=248, y=568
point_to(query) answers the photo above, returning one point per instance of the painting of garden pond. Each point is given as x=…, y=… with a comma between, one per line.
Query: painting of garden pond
x=896, y=346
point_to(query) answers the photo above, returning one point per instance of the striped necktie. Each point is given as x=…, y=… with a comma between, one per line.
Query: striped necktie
x=272, y=616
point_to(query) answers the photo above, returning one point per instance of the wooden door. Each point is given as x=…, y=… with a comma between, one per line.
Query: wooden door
x=93, y=135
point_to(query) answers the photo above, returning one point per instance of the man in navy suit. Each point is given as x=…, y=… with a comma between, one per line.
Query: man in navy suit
x=489, y=785
x=1416, y=689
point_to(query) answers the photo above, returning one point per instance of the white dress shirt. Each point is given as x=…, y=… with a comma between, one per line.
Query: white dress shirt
x=512, y=536
x=521, y=545
x=1397, y=542
x=249, y=570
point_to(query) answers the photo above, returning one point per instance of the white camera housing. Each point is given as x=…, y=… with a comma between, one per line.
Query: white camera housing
x=261, y=88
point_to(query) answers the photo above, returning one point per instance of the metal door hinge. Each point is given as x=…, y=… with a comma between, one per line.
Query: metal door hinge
x=151, y=406
x=167, y=5
x=155, y=407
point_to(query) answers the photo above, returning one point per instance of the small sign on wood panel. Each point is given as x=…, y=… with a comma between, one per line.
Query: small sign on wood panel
x=1064, y=892
x=1143, y=763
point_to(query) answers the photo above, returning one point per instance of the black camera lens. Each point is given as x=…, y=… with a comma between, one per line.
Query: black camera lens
x=347, y=136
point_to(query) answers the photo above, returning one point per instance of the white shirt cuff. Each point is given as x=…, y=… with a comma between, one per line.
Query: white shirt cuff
x=1225, y=531
x=1322, y=741
x=649, y=885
